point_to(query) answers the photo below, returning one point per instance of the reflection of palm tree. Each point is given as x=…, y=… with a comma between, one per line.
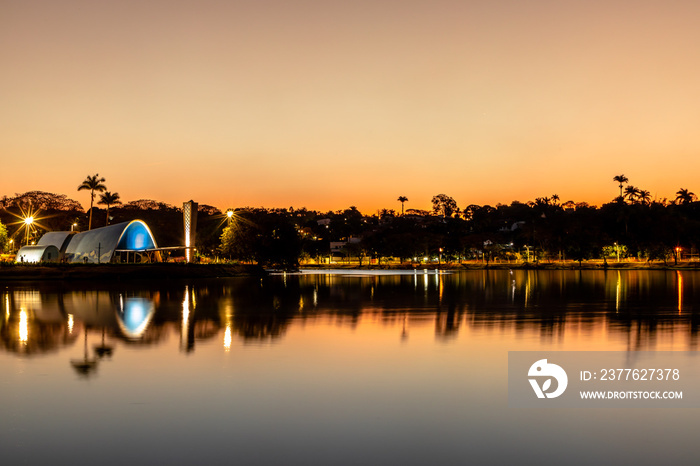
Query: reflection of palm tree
x=109, y=199
x=103, y=350
x=84, y=366
x=402, y=199
x=404, y=331
x=93, y=183
x=684, y=196
x=620, y=179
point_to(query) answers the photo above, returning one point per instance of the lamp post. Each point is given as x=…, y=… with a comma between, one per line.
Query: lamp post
x=12, y=246
x=73, y=226
x=617, y=251
x=27, y=225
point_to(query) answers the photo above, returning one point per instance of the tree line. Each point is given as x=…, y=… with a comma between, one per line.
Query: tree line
x=632, y=225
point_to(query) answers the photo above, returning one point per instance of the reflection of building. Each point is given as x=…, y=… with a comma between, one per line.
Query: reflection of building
x=123, y=242
x=133, y=316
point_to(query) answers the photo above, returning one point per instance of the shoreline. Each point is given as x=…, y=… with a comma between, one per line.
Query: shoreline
x=126, y=272
x=455, y=267
x=173, y=271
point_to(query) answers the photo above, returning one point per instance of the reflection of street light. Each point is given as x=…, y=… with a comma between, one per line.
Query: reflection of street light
x=85, y=366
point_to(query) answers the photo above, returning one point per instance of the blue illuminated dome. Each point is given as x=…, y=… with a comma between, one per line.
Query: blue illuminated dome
x=114, y=243
x=136, y=237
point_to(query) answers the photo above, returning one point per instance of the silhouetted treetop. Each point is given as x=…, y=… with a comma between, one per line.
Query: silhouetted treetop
x=42, y=200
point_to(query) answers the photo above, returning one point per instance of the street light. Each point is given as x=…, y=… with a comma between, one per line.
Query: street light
x=12, y=246
x=73, y=226
x=229, y=214
x=27, y=225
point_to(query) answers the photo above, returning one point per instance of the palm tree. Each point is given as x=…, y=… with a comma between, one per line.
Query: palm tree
x=402, y=199
x=620, y=179
x=683, y=196
x=644, y=196
x=109, y=199
x=93, y=183
x=631, y=193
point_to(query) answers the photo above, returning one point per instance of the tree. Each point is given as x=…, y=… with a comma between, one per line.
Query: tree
x=620, y=179
x=402, y=199
x=42, y=200
x=109, y=199
x=631, y=193
x=267, y=237
x=683, y=196
x=93, y=183
x=644, y=196
x=3, y=238
x=444, y=205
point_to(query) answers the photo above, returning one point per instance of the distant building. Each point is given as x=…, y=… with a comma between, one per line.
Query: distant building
x=337, y=247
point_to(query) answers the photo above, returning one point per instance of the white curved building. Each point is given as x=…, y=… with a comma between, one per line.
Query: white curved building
x=36, y=253
x=122, y=242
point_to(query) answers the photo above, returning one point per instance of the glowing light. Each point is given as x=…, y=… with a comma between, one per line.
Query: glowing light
x=27, y=219
x=189, y=217
x=227, y=338
x=185, y=316
x=229, y=214
x=71, y=323
x=23, y=327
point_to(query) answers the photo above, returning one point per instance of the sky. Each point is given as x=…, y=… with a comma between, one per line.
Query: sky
x=328, y=104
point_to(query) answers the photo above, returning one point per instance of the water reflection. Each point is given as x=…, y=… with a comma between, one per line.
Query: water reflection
x=679, y=276
x=626, y=309
x=134, y=315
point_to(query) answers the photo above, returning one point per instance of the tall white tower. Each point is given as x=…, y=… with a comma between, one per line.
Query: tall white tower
x=189, y=219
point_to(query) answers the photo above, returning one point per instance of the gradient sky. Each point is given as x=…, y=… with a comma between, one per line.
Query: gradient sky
x=327, y=104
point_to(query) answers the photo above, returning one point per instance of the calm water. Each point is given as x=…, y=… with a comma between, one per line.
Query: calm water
x=330, y=369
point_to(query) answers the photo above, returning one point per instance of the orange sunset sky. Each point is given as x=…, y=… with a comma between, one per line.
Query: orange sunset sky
x=327, y=104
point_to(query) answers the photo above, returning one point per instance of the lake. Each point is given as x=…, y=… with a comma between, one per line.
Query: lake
x=340, y=368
